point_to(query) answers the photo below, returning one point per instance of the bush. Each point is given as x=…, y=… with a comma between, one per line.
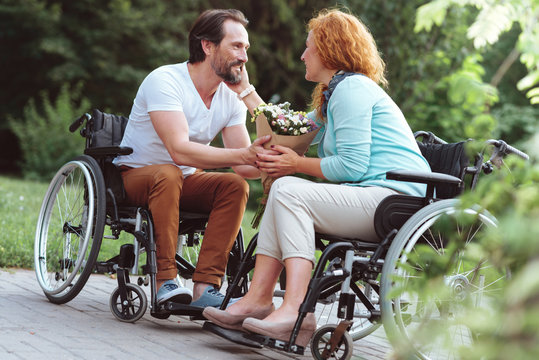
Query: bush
x=510, y=326
x=45, y=140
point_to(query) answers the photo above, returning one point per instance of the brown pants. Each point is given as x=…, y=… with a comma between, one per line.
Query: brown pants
x=164, y=190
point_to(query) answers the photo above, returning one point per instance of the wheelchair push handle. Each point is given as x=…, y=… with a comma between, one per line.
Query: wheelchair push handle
x=501, y=147
x=429, y=137
x=77, y=123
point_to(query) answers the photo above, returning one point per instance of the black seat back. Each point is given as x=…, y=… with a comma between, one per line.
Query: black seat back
x=106, y=129
x=104, y=133
x=448, y=159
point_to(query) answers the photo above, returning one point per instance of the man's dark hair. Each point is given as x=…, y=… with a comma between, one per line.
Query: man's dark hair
x=209, y=26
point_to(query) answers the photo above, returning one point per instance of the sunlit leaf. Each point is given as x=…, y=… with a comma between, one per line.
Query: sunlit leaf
x=490, y=23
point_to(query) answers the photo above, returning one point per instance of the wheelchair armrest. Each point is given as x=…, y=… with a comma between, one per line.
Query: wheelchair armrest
x=429, y=178
x=108, y=151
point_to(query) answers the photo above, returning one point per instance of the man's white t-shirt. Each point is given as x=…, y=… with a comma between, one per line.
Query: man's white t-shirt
x=170, y=88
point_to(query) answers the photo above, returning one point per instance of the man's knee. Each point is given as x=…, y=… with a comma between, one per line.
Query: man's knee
x=236, y=186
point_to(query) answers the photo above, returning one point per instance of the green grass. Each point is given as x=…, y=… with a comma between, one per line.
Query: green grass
x=20, y=203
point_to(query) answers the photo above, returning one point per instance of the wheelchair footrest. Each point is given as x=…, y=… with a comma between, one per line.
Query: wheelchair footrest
x=184, y=309
x=276, y=344
x=233, y=335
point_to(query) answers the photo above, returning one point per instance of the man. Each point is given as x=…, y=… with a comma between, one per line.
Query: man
x=177, y=112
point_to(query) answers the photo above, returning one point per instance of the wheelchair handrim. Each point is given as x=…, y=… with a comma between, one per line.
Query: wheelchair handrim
x=42, y=227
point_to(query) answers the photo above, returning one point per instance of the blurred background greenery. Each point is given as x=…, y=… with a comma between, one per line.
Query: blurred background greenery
x=457, y=68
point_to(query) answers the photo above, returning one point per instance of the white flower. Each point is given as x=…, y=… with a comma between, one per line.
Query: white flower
x=284, y=120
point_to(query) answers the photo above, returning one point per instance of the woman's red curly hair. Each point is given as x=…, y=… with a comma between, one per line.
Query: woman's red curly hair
x=344, y=43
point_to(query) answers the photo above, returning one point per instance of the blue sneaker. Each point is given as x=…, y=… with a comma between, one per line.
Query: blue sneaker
x=211, y=297
x=170, y=291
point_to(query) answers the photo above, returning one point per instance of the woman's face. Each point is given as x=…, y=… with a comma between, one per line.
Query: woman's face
x=314, y=68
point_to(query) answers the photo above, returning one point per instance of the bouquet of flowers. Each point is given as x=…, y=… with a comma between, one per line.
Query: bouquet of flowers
x=286, y=127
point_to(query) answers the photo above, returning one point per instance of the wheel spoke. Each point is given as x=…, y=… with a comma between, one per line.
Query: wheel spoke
x=70, y=228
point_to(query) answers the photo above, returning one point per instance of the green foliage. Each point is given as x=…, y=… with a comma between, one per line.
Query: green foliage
x=508, y=326
x=471, y=98
x=512, y=194
x=420, y=67
x=43, y=133
x=494, y=18
x=109, y=45
x=112, y=45
x=516, y=123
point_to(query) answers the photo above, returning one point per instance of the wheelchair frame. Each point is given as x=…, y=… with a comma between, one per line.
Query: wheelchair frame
x=353, y=268
x=78, y=205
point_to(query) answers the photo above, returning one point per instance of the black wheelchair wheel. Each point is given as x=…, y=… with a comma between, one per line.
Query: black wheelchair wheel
x=133, y=308
x=320, y=341
x=70, y=229
x=424, y=315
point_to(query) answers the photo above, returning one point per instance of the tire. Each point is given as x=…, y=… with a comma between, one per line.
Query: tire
x=415, y=310
x=136, y=306
x=70, y=229
x=321, y=338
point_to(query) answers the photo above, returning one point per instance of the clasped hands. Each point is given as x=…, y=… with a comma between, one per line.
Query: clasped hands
x=276, y=161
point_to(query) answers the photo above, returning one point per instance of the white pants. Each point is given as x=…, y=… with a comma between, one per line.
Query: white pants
x=297, y=208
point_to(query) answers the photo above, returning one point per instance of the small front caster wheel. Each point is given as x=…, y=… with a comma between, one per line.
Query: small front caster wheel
x=321, y=340
x=133, y=308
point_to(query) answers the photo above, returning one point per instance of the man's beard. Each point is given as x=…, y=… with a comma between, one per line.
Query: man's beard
x=225, y=71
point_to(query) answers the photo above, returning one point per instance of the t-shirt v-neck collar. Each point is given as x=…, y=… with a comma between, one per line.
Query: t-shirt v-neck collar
x=192, y=84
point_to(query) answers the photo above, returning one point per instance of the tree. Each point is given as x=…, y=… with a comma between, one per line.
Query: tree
x=110, y=45
x=494, y=18
x=107, y=45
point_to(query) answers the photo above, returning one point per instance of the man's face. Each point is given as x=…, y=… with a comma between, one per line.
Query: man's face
x=231, y=53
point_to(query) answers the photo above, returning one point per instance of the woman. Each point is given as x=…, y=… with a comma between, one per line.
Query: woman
x=363, y=135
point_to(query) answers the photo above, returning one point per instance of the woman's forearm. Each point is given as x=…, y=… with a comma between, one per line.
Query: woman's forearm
x=310, y=166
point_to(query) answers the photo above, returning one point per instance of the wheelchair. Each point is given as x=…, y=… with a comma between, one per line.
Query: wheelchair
x=85, y=196
x=358, y=286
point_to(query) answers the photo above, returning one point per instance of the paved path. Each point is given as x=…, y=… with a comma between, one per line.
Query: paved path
x=33, y=328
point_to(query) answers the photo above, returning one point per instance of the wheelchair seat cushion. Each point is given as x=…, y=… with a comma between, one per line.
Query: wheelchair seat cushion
x=448, y=159
x=394, y=211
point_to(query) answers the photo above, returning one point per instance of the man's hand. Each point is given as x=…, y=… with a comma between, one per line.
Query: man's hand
x=257, y=147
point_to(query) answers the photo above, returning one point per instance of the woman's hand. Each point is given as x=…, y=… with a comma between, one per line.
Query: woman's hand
x=285, y=162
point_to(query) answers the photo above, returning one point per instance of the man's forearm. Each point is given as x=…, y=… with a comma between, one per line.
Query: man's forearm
x=208, y=157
